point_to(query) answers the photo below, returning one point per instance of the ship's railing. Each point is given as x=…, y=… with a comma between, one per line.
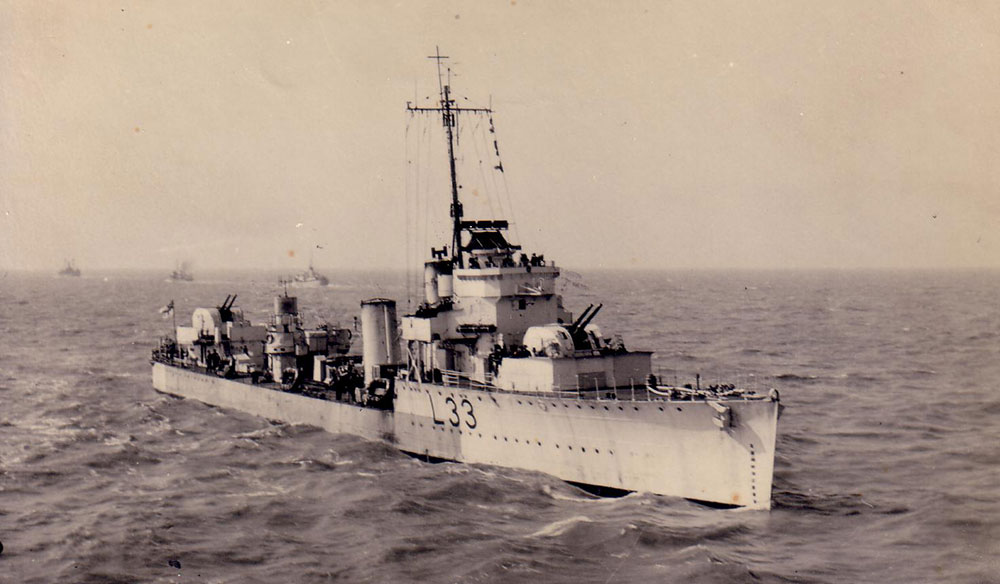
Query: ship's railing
x=451, y=378
x=715, y=380
x=644, y=393
x=635, y=392
x=659, y=388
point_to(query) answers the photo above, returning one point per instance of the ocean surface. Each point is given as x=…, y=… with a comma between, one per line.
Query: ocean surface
x=887, y=470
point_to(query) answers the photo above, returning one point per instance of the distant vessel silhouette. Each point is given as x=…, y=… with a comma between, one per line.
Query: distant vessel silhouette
x=70, y=270
x=307, y=279
x=181, y=274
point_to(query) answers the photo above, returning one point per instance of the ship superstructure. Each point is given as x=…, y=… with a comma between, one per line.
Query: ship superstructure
x=491, y=368
x=220, y=340
x=490, y=313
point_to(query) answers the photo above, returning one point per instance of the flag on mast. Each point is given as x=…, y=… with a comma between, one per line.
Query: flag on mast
x=167, y=310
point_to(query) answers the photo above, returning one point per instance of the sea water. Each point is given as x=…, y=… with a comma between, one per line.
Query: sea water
x=887, y=468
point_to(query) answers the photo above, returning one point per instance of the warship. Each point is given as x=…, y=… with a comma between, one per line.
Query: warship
x=307, y=279
x=181, y=274
x=70, y=269
x=489, y=368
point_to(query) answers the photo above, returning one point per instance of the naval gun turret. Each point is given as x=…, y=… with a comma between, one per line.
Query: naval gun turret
x=221, y=339
x=584, y=335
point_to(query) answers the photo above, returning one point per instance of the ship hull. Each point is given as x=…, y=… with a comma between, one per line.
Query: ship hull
x=307, y=284
x=667, y=447
x=335, y=417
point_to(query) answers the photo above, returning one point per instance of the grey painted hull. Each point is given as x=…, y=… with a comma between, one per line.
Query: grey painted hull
x=673, y=448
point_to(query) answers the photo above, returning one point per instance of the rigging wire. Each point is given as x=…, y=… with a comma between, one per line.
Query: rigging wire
x=489, y=195
x=491, y=184
x=503, y=180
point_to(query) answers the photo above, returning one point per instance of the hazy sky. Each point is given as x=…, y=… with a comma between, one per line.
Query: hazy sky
x=633, y=134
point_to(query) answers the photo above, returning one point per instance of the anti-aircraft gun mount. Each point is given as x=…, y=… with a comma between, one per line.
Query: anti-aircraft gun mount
x=222, y=341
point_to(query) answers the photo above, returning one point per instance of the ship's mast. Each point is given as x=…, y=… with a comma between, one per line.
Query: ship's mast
x=448, y=118
x=449, y=125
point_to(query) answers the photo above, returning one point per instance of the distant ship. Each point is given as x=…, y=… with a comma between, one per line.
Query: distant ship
x=308, y=279
x=70, y=270
x=490, y=368
x=181, y=274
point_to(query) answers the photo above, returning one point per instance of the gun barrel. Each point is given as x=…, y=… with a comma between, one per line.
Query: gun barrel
x=576, y=323
x=584, y=324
